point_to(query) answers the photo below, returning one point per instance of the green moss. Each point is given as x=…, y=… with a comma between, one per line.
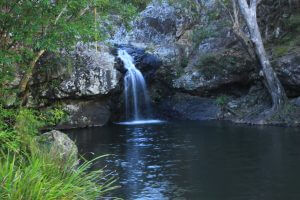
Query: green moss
x=294, y=22
x=291, y=40
x=281, y=50
x=201, y=33
x=217, y=63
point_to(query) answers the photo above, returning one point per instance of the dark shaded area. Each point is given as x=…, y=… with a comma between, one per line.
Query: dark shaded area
x=197, y=160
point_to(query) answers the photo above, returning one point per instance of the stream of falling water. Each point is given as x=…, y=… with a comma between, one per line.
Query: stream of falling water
x=137, y=101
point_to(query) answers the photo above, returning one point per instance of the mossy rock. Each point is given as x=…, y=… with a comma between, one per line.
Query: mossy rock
x=224, y=63
x=59, y=144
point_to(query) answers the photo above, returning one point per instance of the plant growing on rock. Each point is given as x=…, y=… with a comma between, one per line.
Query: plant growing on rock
x=222, y=101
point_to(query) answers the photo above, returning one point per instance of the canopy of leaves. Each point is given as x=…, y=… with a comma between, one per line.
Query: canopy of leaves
x=46, y=24
x=29, y=26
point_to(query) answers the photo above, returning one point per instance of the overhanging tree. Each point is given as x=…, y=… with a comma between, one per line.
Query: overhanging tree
x=29, y=28
x=276, y=90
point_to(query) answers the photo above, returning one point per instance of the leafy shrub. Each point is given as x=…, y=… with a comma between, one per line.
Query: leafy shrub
x=222, y=101
x=27, y=122
x=7, y=118
x=140, y=4
x=9, y=139
x=53, y=116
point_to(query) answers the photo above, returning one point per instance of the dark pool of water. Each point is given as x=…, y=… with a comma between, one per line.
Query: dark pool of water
x=198, y=160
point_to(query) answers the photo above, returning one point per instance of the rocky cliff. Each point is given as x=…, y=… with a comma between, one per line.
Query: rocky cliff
x=195, y=66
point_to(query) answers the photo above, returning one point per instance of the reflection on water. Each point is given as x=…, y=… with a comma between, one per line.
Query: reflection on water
x=198, y=160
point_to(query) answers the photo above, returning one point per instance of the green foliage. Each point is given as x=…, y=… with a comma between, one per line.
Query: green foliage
x=18, y=127
x=294, y=22
x=200, y=34
x=48, y=25
x=29, y=171
x=281, y=50
x=52, y=25
x=140, y=4
x=52, y=117
x=191, y=7
x=28, y=28
x=42, y=176
x=7, y=118
x=9, y=139
x=28, y=123
x=184, y=61
x=222, y=101
x=218, y=63
x=287, y=114
x=291, y=40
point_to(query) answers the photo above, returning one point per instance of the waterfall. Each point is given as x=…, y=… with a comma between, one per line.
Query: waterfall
x=137, y=101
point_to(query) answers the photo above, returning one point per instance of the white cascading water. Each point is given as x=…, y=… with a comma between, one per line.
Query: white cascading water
x=137, y=102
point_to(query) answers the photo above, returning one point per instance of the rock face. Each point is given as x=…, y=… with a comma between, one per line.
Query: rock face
x=197, y=55
x=214, y=71
x=189, y=61
x=86, y=113
x=157, y=30
x=145, y=62
x=93, y=74
x=84, y=91
x=59, y=144
x=186, y=107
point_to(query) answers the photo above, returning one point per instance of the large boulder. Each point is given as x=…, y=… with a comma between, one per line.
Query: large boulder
x=86, y=113
x=215, y=71
x=82, y=82
x=59, y=144
x=92, y=74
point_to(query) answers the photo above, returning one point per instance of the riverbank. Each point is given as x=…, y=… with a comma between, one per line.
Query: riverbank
x=40, y=167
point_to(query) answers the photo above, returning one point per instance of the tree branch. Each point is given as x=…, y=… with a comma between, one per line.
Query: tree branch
x=235, y=12
x=227, y=10
x=60, y=14
x=244, y=7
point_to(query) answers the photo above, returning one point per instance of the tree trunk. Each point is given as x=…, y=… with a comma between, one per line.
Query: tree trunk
x=239, y=33
x=23, y=85
x=272, y=82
